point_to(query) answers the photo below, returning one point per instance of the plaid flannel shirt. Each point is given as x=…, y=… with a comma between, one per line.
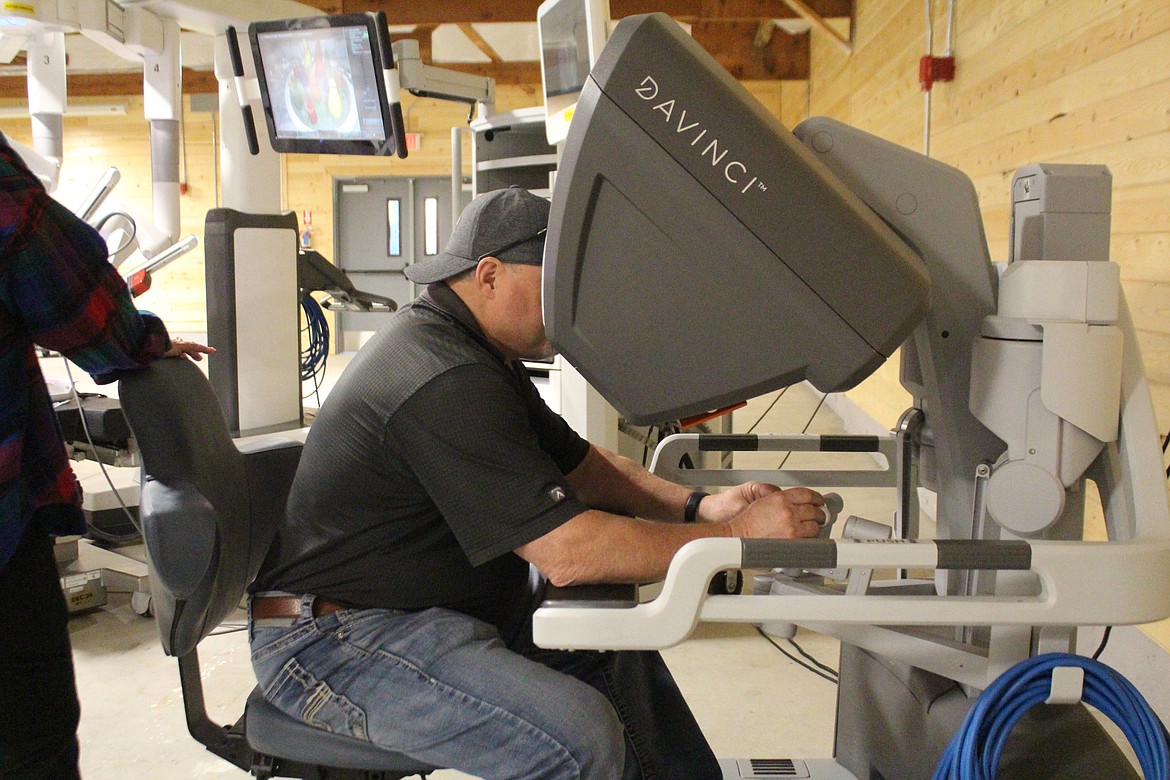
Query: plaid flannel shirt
x=58, y=290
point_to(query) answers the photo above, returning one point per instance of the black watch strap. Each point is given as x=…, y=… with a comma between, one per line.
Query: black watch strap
x=691, y=510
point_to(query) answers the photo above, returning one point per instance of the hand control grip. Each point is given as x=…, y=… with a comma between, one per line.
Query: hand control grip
x=833, y=506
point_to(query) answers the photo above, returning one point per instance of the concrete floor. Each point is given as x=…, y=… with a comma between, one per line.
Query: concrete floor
x=750, y=700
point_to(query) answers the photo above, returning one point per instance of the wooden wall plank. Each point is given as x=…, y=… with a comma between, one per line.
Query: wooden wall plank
x=834, y=72
x=769, y=93
x=1142, y=256
x=1139, y=113
x=883, y=45
x=873, y=15
x=794, y=103
x=830, y=96
x=841, y=108
x=1142, y=209
x=1123, y=73
x=1155, y=347
x=1108, y=36
x=903, y=126
x=1149, y=303
x=998, y=34
x=1084, y=82
x=1132, y=162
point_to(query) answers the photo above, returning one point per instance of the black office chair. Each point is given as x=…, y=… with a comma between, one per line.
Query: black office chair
x=208, y=512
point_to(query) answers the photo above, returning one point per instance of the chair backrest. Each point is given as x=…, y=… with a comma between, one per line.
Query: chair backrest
x=208, y=508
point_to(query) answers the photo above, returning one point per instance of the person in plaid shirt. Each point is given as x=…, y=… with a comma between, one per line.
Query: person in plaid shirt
x=58, y=290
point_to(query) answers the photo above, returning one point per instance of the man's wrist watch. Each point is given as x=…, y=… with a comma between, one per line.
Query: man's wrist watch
x=691, y=510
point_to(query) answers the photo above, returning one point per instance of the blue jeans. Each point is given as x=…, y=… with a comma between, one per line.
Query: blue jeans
x=445, y=688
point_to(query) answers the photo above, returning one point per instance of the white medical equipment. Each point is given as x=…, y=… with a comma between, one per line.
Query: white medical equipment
x=833, y=247
x=571, y=34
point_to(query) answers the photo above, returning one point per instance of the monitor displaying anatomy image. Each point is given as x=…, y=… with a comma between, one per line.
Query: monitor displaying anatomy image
x=321, y=84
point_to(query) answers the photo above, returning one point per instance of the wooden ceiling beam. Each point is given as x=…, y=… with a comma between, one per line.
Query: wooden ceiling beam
x=809, y=14
x=441, y=11
x=472, y=11
x=728, y=10
x=473, y=35
x=727, y=29
x=106, y=84
x=204, y=82
x=734, y=46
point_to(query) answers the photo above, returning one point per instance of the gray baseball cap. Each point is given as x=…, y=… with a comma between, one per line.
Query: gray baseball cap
x=506, y=224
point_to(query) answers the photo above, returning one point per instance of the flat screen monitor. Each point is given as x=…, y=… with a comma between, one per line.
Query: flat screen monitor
x=322, y=86
x=572, y=34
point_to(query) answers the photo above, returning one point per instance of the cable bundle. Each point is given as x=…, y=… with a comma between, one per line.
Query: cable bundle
x=975, y=750
x=314, y=355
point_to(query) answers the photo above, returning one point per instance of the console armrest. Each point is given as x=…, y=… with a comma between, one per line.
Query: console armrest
x=594, y=596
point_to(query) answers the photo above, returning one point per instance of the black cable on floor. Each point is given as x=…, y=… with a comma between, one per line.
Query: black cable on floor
x=812, y=660
x=794, y=659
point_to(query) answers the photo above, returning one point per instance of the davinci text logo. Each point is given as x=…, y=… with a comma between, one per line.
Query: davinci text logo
x=734, y=171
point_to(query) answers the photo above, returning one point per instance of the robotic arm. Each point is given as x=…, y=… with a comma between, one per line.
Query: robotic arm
x=133, y=33
x=45, y=169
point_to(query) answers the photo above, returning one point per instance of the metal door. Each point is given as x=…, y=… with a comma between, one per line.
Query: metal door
x=432, y=216
x=381, y=225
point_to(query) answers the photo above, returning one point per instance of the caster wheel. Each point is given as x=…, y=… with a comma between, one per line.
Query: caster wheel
x=140, y=603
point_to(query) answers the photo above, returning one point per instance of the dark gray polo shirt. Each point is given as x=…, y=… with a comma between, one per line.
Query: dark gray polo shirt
x=430, y=461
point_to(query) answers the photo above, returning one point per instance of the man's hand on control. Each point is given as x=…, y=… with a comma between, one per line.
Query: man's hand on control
x=721, y=507
x=795, y=513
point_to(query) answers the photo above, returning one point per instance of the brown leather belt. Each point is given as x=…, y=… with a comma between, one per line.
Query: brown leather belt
x=270, y=607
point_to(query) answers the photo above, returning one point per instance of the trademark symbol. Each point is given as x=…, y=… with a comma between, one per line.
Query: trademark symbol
x=763, y=187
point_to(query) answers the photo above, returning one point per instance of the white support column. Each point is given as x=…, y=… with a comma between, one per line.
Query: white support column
x=46, y=92
x=248, y=182
x=163, y=108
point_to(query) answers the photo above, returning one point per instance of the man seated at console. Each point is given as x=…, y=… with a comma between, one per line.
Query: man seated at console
x=396, y=603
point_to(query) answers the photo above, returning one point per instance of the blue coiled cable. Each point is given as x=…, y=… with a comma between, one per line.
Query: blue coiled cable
x=315, y=353
x=975, y=750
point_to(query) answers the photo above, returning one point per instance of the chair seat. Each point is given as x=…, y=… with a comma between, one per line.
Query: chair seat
x=270, y=731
